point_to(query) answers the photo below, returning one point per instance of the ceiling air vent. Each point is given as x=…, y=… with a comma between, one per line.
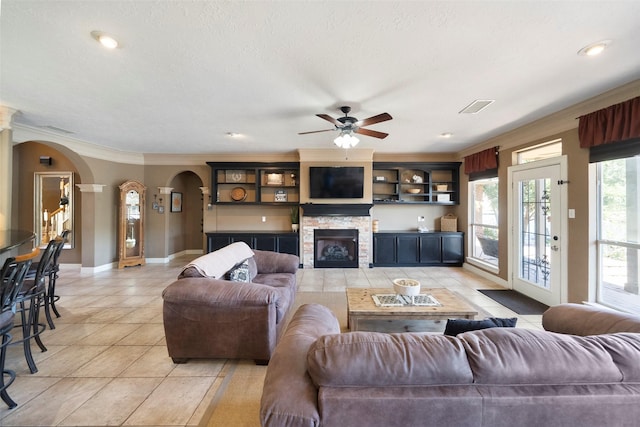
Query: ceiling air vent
x=476, y=106
x=55, y=129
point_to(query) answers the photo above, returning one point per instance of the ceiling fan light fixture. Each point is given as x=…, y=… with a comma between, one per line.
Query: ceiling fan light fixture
x=346, y=140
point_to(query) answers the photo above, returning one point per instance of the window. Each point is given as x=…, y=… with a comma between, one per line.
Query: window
x=540, y=152
x=483, y=224
x=618, y=233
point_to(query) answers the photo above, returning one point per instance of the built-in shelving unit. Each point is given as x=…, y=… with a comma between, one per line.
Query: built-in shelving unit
x=255, y=183
x=426, y=183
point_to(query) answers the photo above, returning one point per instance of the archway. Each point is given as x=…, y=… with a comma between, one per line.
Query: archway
x=185, y=226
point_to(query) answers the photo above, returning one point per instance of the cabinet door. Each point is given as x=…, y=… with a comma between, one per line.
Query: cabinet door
x=384, y=249
x=215, y=242
x=288, y=245
x=430, y=249
x=408, y=249
x=453, y=249
x=247, y=238
x=265, y=243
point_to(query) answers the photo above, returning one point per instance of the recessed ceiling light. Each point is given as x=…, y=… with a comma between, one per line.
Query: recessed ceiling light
x=594, y=48
x=446, y=135
x=233, y=134
x=105, y=39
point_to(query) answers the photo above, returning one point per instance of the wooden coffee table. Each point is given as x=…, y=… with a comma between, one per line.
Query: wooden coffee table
x=365, y=315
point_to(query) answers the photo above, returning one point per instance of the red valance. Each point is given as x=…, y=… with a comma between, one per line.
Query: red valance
x=616, y=123
x=481, y=161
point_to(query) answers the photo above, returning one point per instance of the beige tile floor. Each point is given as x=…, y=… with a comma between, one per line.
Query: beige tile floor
x=107, y=362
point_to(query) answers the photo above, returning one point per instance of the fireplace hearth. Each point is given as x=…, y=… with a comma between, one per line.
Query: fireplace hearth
x=335, y=248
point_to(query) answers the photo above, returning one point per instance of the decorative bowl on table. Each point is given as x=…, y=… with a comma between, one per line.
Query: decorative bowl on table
x=413, y=190
x=408, y=287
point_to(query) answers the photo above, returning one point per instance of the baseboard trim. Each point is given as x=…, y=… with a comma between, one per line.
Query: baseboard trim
x=98, y=268
x=486, y=275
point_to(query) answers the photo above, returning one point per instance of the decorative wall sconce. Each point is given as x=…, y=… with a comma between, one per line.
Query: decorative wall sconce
x=45, y=160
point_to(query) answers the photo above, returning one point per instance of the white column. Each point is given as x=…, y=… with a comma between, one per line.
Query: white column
x=6, y=165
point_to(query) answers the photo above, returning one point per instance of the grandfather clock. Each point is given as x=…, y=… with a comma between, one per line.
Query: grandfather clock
x=131, y=224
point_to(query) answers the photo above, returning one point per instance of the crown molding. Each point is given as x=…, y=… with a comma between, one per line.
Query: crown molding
x=558, y=122
x=23, y=133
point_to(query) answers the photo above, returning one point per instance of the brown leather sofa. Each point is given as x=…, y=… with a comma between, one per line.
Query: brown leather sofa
x=206, y=317
x=500, y=377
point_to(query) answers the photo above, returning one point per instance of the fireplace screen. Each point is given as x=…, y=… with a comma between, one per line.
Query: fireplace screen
x=335, y=248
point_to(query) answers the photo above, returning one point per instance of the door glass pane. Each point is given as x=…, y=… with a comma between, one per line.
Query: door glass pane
x=535, y=215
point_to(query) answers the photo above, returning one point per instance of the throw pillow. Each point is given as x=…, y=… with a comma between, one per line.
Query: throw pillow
x=458, y=326
x=240, y=273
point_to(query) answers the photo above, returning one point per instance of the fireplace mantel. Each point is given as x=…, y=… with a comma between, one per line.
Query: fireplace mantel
x=336, y=209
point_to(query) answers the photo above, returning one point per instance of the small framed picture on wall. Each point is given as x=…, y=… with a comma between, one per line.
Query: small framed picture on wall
x=176, y=202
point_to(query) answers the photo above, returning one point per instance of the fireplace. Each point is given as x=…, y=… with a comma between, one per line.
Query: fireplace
x=335, y=248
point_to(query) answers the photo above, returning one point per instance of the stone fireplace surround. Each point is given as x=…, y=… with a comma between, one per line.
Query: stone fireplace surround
x=336, y=216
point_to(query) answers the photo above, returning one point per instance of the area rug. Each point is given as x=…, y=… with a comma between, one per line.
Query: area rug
x=237, y=401
x=515, y=301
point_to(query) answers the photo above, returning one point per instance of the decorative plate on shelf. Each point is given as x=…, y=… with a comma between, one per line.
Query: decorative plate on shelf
x=238, y=194
x=235, y=176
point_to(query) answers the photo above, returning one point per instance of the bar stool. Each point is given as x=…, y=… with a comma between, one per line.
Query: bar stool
x=30, y=299
x=11, y=280
x=52, y=273
x=53, y=276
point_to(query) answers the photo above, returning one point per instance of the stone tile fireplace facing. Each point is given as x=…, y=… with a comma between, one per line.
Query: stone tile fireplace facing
x=335, y=217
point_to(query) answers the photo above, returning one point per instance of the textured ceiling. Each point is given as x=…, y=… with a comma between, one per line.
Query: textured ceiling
x=188, y=72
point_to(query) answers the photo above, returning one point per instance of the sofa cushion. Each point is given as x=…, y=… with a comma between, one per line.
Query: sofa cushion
x=523, y=356
x=216, y=264
x=624, y=348
x=458, y=326
x=372, y=359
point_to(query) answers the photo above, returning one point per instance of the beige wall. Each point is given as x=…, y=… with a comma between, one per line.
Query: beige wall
x=97, y=237
x=26, y=161
x=581, y=230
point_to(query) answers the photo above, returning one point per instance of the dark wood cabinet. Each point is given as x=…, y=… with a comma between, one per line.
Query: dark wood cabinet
x=384, y=249
x=398, y=248
x=408, y=249
x=283, y=242
x=430, y=248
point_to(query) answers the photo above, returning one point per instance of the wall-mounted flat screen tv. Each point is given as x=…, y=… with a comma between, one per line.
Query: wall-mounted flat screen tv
x=336, y=182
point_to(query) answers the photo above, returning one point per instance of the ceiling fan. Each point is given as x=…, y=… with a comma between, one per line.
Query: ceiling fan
x=349, y=125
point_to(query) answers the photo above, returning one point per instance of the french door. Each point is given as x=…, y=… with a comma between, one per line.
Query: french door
x=538, y=227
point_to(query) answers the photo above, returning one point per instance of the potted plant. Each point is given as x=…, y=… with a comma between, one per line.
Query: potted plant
x=295, y=218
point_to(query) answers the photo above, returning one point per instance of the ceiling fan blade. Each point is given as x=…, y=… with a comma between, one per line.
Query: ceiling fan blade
x=329, y=119
x=373, y=133
x=316, y=131
x=375, y=119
